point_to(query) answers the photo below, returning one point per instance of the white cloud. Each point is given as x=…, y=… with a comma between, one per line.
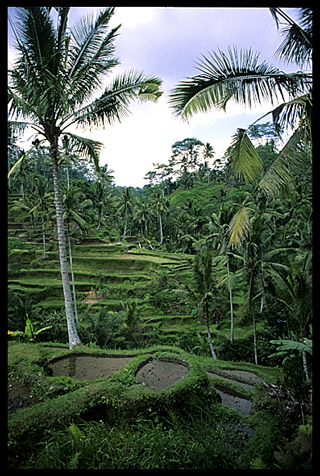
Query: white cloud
x=146, y=136
x=139, y=141
x=130, y=17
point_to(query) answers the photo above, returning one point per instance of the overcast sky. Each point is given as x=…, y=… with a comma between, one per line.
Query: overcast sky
x=167, y=42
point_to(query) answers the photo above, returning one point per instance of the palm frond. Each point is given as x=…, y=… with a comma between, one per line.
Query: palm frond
x=279, y=174
x=19, y=163
x=297, y=44
x=113, y=104
x=91, y=54
x=35, y=37
x=85, y=147
x=245, y=159
x=239, y=227
x=236, y=75
x=88, y=34
x=290, y=113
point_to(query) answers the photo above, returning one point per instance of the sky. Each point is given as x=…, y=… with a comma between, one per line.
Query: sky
x=167, y=42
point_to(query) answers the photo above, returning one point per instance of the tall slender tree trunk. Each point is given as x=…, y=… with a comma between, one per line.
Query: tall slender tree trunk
x=72, y=278
x=161, y=232
x=43, y=236
x=251, y=305
x=72, y=331
x=125, y=226
x=305, y=364
x=254, y=338
x=206, y=315
x=231, y=304
x=22, y=191
x=100, y=218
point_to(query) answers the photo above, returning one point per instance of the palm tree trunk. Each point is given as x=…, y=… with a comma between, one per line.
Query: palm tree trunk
x=161, y=232
x=100, y=218
x=72, y=279
x=125, y=226
x=251, y=307
x=72, y=331
x=231, y=304
x=206, y=314
x=305, y=364
x=43, y=236
x=254, y=338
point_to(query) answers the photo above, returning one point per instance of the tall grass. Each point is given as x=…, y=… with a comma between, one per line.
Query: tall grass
x=199, y=442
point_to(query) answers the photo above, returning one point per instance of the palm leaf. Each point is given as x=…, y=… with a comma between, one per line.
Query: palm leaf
x=239, y=227
x=236, y=75
x=279, y=174
x=15, y=130
x=245, y=159
x=16, y=166
x=286, y=344
x=88, y=35
x=290, y=113
x=297, y=44
x=35, y=36
x=85, y=147
x=113, y=104
x=91, y=55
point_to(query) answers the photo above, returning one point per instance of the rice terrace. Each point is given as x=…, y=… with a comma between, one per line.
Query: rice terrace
x=166, y=325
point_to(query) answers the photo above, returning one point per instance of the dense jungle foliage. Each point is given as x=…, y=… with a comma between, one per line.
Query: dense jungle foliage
x=211, y=259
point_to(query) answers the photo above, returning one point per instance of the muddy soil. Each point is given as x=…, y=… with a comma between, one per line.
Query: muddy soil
x=88, y=367
x=160, y=374
x=19, y=396
x=156, y=374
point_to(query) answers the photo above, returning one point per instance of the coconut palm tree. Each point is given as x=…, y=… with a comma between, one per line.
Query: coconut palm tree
x=51, y=88
x=99, y=191
x=239, y=76
x=74, y=213
x=260, y=256
x=218, y=238
x=41, y=199
x=143, y=216
x=204, y=289
x=295, y=292
x=126, y=209
x=161, y=207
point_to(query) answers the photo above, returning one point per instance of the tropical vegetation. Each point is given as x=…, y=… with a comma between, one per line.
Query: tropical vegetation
x=210, y=262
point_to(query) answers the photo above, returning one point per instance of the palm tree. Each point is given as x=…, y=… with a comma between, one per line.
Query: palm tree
x=126, y=209
x=239, y=76
x=295, y=292
x=208, y=153
x=74, y=213
x=51, y=88
x=21, y=169
x=257, y=254
x=143, y=216
x=99, y=197
x=161, y=206
x=218, y=237
x=42, y=198
x=204, y=288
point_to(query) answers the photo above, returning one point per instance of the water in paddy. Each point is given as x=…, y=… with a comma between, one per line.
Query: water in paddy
x=88, y=367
